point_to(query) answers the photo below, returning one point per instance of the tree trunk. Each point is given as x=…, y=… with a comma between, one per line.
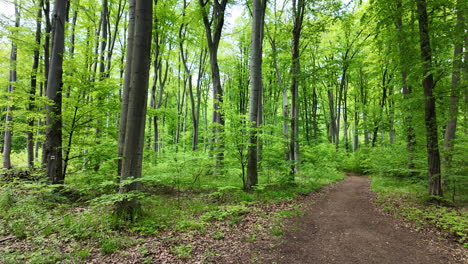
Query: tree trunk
x=126, y=89
x=356, y=126
x=102, y=74
x=11, y=87
x=136, y=112
x=331, y=106
x=32, y=91
x=213, y=39
x=53, y=144
x=433, y=156
x=298, y=14
x=183, y=55
x=407, y=90
x=255, y=90
x=451, y=126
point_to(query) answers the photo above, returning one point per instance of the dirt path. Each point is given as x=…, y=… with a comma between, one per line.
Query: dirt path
x=344, y=226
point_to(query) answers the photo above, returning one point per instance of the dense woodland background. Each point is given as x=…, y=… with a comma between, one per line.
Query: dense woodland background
x=131, y=104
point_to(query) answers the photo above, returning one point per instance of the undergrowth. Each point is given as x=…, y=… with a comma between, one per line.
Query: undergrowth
x=180, y=195
x=408, y=199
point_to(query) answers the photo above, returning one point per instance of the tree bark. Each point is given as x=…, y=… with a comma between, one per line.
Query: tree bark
x=407, y=90
x=136, y=112
x=433, y=155
x=255, y=90
x=32, y=91
x=11, y=87
x=213, y=38
x=451, y=126
x=53, y=144
x=298, y=16
x=126, y=89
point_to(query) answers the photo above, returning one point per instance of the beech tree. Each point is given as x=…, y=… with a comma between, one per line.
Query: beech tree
x=433, y=155
x=53, y=145
x=11, y=88
x=213, y=29
x=136, y=110
x=298, y=8
x=256, y=86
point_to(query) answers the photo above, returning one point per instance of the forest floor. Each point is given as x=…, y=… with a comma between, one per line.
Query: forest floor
x=343, y=224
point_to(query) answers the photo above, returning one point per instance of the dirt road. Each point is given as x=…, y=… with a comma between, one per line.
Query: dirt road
x=344, y=226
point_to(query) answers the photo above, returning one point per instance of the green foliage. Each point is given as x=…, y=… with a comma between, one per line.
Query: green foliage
x=83, y=253
x=7, y=200
x=407, y=197
x=182, y=251
x=391, y=161
x=187, y=225
x=277, y=230
x=449, y=220
x=111, y=244
x=218, y=235
x=225, y=212
x=288, y=213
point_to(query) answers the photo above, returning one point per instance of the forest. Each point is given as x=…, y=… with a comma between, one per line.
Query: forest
x=160, y=131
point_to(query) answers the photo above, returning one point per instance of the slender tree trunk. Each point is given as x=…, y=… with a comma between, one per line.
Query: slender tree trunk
x=255, y=90
x=451, y=126
x=345, y=118
x=183, y=55
x=356, y=125
x=298, y=15
x=136, y=112
x=126, y=89
x=53, y=144
x=378, y=122
x=314, y=113
x=433, y=155
x=331, y=106
x=102, y=74
x=32, y=91
x=201, y=73
x=11, y=87
x=407, y=90
x=213, y=35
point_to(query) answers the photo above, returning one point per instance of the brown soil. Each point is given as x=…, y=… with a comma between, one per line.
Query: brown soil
x=345, y=226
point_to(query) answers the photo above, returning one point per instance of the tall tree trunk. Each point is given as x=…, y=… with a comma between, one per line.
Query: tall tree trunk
x=102, y=74
x=136, y=112
x=201, y=73
x=378, y=122
x=451, y=126
x=213, y=38
x=126, y=89
x=11, y=87
x=32, y=91
x=255, y=90
x=183, y=55
x=331, y=106
x=53, y=144
x=345, y=118
x=315, y=105
x=433, y=155
x=356, y=125
x=407, y=90
x=298, y=16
